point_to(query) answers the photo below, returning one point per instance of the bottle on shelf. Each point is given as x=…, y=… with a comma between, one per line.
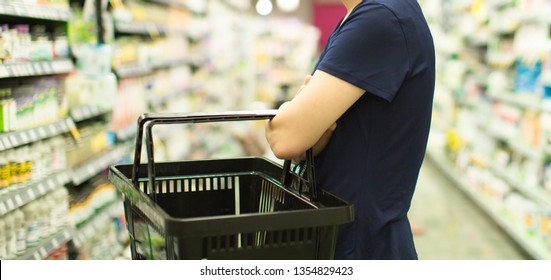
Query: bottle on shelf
x=3, y=241
x=20, y=232
x=11, y=243
x=31, y=224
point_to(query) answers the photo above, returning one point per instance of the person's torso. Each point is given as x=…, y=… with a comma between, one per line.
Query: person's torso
x=374, y=156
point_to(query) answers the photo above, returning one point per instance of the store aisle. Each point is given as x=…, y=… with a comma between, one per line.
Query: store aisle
x=453, y=227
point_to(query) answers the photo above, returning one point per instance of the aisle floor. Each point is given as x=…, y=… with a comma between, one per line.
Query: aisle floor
x=453, y=228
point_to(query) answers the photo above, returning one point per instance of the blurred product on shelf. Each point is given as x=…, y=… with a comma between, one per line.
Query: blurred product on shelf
x=96, y=212
x=25, y=228
x=93, y=84
x=31, y=163
x=151, y=56
x=36, y=102
x=23, y=43
x=490, y=112
x=89, y=199
x=149, y=12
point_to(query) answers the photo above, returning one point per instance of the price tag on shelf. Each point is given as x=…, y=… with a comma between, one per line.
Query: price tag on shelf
x=55, y=243
x=24, y=137
x=18, y=200
x=38, y=69
x=55, y=180
x=25, y=69
x=32, y=135
x=47, y=67
x=13, y=140
x=12, y=70
x=52, y=129
x=41, y=132
x=66, y=235
x=9, y=204
x=43, y=253
x=40, y=188
x=6, y=143
x=51, y=184
x=9, y=69
x=19, y=70
x=30, y=194
x=3, y=209
x=4, y=73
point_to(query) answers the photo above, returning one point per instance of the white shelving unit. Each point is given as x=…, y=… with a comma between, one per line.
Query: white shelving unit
x=32, y=190
x=534, y=247
x=15, y=139
x=91, y=168
x=38, y=68
x=36, y=12
x=492, y=117
x=145, y=28
x=17, y=196
x=48, y=245
x=89, y=229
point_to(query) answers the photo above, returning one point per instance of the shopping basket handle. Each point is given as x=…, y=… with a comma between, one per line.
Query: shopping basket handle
x=148, y=120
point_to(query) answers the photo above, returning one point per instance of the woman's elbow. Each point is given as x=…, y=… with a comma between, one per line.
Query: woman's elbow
x=282, y=144
x=285, y=149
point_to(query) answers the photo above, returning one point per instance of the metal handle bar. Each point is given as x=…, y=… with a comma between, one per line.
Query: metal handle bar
x=148, y=120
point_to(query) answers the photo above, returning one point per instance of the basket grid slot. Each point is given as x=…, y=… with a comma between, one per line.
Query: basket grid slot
x=166, y=186
x=247, y=241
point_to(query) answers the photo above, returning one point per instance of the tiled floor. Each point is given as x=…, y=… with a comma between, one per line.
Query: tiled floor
x=453, y=227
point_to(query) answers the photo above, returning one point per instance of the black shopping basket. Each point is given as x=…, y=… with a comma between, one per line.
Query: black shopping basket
x=242, y=208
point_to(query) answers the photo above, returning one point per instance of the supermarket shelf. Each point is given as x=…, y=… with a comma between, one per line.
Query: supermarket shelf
x=30, y=191
x=87, y=112
x=520, y=101
x=37, y=68
x=48, y=245
x=132, y=71
x=532, y=192
x=89, y=229
x=532, y=247
x=146, y=28
x=140, y=70
x=35, y=11
x=157, y=101
x=535, y=19
x=516, y=145
x=127, y=132
x=171, y=63
x=170, y=3
x=18, y=138
x=91, y=168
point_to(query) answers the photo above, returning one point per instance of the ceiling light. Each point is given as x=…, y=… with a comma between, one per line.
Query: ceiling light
x=288, y=5
x=264, y=7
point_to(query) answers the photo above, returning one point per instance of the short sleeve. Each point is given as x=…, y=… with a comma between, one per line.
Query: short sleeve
x=369, y=51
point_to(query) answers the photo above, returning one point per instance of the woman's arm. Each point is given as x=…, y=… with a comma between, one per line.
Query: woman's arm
x=302, y=122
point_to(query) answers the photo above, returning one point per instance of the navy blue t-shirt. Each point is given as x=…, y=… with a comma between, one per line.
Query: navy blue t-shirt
x=374, y=156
